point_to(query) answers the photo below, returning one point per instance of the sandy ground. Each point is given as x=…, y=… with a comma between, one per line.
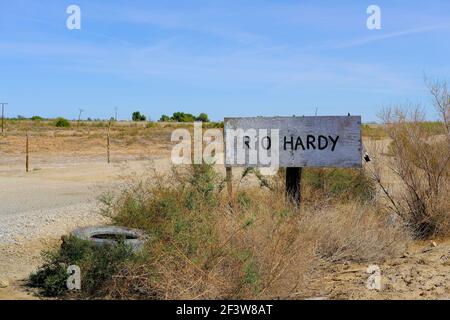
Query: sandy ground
x=422, y=272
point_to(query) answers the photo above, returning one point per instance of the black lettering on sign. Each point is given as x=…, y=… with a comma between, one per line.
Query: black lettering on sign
x=288, y=142
x=299, y=143
x=320, y=142
x=247, y=141
x=310, y=139
x=323, y=142
x=268, y=143
x=334, y=142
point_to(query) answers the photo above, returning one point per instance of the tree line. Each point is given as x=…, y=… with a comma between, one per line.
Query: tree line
x=138, y=116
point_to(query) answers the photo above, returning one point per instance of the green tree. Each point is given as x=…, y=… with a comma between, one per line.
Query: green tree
x=203, y=117
x=137, y=116
x=164, y=118
x=183, y=117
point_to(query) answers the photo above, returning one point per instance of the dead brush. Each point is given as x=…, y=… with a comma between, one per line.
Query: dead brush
x=420, y=159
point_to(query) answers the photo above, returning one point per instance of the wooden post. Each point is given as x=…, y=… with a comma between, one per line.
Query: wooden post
x=293, y=185
x=108, y=144
x=229, y=177
x=27, y=157
x=3, y=115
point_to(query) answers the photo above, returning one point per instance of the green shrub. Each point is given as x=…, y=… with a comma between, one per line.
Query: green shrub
x=50, y=278
x=97, y=264
x=342, y=184
x=169, y=212
x=62, y=123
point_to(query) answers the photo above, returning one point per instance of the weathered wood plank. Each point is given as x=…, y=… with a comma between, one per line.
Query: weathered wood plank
x=327, y=141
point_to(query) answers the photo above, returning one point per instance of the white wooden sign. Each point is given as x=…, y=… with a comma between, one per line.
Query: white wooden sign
x=328, y=141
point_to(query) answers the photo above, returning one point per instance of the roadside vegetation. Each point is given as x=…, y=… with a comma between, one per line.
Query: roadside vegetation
x=255, y=244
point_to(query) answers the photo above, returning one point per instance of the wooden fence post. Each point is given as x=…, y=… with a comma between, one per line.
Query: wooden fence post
x=293, y=185
x=229, y=178
x=108, y=143
x=27, y=157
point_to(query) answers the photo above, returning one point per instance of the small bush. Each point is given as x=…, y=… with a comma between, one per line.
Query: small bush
x=62, y=123
x=97, y=264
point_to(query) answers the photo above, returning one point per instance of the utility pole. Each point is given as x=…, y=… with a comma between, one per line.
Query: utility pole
x=3, y=114
x=115, y=112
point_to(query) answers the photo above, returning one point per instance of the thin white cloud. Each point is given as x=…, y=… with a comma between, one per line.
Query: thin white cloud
x=368, y=40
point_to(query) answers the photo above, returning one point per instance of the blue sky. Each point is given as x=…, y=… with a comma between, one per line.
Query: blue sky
x=226, y=58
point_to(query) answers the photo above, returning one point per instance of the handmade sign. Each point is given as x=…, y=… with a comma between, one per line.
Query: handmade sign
x=327, y=141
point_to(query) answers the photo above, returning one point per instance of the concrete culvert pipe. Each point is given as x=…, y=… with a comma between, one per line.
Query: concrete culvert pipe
x=109, y=235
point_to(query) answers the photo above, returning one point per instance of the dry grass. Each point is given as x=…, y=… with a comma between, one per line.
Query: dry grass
x=354, y=232
x=50, y=145
x=257, y=246
x=86, y=141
